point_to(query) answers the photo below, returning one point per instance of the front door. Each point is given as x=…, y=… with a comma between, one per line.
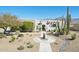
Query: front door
x=43, y=27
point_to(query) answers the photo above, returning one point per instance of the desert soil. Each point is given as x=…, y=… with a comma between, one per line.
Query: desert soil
x=5, y=46
x=70, y=46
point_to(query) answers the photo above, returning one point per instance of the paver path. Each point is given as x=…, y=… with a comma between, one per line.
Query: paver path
x=45, y=44
x=45, y=47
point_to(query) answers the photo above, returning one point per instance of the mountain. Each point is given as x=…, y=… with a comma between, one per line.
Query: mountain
x=75, y=21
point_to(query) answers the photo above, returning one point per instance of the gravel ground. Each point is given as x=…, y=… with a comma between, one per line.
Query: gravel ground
x=5, y=46
x=62, y=45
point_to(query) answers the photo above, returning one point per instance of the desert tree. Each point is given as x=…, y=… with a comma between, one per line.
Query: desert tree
x=9, y=20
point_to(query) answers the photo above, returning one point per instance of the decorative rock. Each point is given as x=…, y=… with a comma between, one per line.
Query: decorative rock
x=68, y=37
x=2, y=30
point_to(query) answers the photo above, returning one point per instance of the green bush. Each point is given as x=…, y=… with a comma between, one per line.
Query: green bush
x=30, y=46
x=13, y=39
x=27, y=26
x=20, y=48
x=14, y=28
x=73, y=36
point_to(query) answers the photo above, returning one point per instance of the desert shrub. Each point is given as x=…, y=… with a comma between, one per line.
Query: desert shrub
x=27, y=26
x=20, y=35
x=12, y=39
x=30, y=46
x=73, y=36
x=20, y=48
x=2, y=35
x=14, y=28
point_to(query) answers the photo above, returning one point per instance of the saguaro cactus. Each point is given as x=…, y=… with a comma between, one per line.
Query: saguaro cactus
x=58, y=27
x=62, y=28
x=68, y=20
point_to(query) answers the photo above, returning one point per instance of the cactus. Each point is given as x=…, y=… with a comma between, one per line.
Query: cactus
x=62, y=29
x=58, y=27
x=62, y=22
x=68, y=20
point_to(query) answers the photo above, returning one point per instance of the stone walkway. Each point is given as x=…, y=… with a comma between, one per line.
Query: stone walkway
x=45, y=44
x=45, y=47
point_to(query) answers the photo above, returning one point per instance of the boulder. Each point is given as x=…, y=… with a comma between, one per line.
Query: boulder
x=68, y=37
x=2, y=30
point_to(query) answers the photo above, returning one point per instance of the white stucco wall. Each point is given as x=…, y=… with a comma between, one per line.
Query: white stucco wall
x=47, y=26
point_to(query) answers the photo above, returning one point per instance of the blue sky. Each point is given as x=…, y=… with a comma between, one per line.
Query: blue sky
x=38, y=12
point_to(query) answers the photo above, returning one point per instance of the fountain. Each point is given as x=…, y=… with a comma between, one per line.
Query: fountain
x=44, y=41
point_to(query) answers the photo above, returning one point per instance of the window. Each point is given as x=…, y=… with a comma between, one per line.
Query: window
x=54, y=25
